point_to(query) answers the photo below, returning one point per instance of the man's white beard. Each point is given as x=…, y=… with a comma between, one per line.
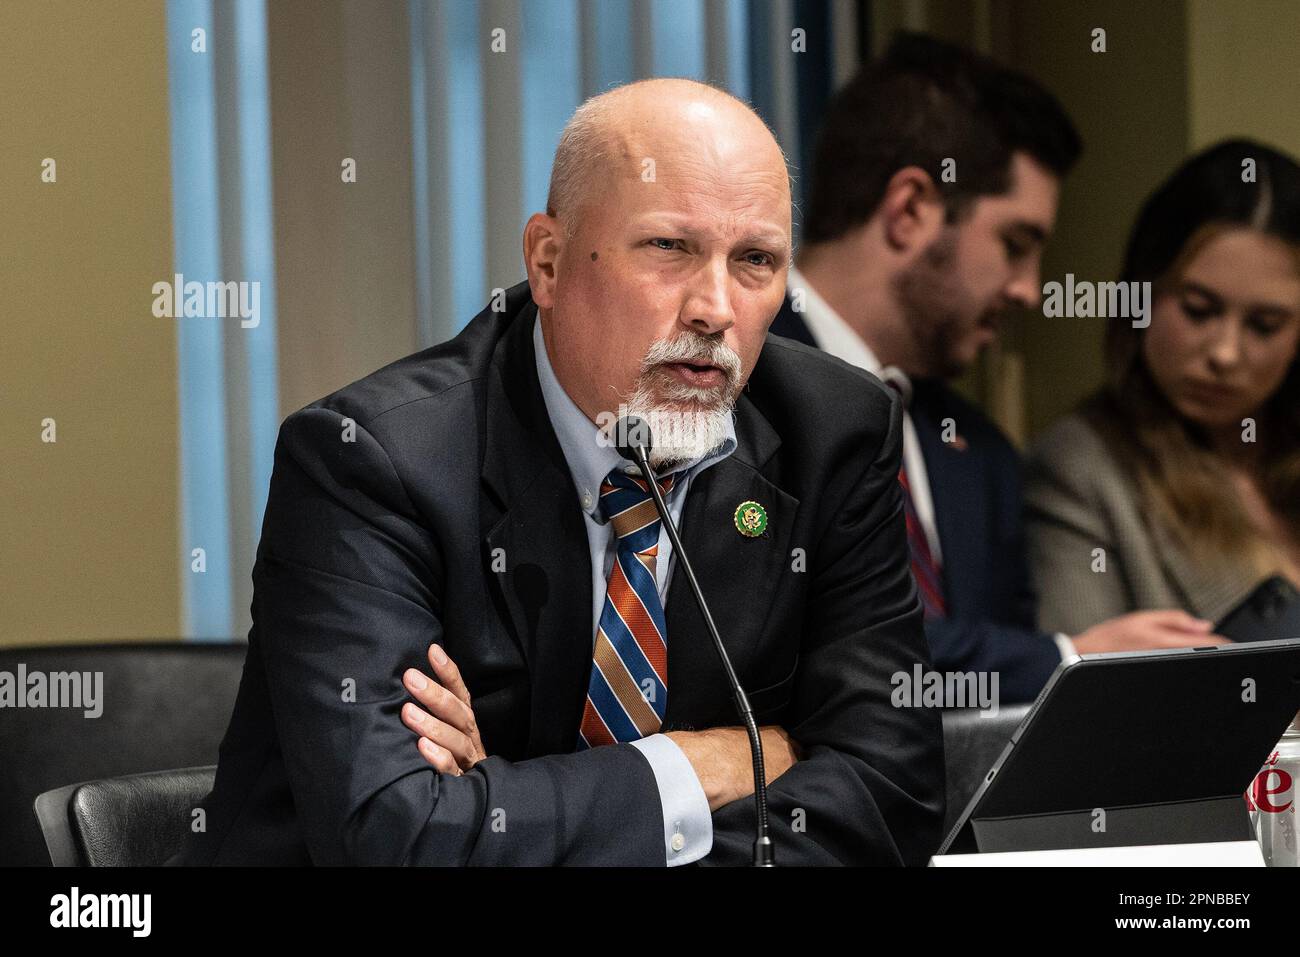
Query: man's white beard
x=686, y=422
x=680, y=433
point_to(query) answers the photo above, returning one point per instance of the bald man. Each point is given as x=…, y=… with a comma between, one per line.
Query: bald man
x=472, y=642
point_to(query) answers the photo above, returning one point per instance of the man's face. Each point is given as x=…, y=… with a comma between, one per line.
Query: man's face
x=957, y=293
x=676, y=270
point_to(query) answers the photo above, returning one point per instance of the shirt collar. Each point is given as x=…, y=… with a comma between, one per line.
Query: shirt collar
x=589, y=455
x=837, y=337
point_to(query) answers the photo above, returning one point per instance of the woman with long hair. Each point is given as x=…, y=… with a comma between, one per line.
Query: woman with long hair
x=1177, y=485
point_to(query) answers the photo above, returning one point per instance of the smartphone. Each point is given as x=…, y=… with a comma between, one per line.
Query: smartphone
x=1270, y=611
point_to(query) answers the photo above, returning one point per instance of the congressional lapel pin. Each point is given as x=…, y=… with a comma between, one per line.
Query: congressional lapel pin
x=750, y=519
x=950, y=437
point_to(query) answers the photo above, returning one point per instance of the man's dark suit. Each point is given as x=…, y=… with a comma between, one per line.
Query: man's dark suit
x=372, y=549
x=976, y=487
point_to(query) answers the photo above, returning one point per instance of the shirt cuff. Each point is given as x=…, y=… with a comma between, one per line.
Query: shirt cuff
x=1066, y=646
x=688, y=824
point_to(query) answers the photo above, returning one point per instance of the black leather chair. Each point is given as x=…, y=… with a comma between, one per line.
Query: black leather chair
x=971, y=744
x=135, y=821
x=166, y=705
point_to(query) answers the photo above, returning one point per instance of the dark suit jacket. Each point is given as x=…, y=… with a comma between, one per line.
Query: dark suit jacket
x=976, y=488
x=372, y=549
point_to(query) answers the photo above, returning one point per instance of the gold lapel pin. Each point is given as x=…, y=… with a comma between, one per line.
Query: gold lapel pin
x=750, y=519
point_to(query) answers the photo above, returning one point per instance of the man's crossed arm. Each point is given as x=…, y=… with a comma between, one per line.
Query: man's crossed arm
x=447, y=737
x=341, y=592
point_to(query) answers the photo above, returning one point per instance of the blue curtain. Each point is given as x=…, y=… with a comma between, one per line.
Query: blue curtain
x=568, y=50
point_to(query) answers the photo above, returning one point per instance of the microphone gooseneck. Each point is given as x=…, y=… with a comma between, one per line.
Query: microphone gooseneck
x=633, y=439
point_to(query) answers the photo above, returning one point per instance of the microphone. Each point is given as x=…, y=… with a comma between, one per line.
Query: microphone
x=632, y=435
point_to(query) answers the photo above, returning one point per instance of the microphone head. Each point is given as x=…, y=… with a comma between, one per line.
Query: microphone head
x=632, y=435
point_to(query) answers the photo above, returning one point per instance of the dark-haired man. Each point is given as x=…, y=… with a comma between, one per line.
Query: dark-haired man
x=934, y=190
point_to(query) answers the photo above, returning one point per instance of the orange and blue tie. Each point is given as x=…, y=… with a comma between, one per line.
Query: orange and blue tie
x=628, y=690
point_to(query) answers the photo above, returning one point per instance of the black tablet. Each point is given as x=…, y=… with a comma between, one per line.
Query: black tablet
x=1148, y=747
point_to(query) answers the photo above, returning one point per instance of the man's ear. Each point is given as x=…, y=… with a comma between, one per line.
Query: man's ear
x=543, y=243
x=912, y=210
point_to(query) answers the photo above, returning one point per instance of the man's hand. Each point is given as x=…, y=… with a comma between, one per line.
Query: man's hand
x=448, y=734
x=722, y=761
x=448, y=737
x=1141, y=630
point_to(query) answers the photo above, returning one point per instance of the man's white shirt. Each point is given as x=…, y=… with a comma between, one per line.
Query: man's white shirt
x=688, y=823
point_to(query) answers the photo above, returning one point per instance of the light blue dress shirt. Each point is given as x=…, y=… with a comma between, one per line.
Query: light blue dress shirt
x=688, y=825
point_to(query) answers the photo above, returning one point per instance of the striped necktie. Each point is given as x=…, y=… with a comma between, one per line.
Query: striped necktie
x=628, y=690
x=926, y=571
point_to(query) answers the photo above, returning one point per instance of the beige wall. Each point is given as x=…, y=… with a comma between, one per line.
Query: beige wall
x=89, y=524
x=340, y=87
x=1130, y=105
x=1244, y=72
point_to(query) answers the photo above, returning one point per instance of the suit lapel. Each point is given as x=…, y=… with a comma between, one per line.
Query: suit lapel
x=791, y=324
x=955, y=496
x=738, y=575
x=1208, y=590
x=545, y=589
x=531, y=514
